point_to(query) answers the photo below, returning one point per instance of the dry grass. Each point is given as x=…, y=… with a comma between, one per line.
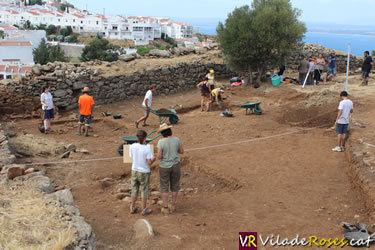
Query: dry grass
x=29, y=221
x=141, y=65
x=118, y=42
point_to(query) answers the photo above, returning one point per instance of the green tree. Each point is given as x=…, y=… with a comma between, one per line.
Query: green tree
x=64, y=6
x=51, y=30
x=100, y=49
x=41, y=54
x=257, y=38
x=200, y=37
x=44, y=53
x=56, y=54
x=33, y=2
x=2, y=34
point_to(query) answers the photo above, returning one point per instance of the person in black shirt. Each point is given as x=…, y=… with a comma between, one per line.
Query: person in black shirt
x=366, y=68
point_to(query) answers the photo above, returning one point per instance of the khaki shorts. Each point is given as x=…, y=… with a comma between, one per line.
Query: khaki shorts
x=140, y=180
x=170, y=178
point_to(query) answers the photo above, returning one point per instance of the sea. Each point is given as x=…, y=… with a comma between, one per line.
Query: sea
x=358, y=43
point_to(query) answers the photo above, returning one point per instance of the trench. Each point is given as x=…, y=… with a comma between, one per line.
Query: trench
x=287, y=185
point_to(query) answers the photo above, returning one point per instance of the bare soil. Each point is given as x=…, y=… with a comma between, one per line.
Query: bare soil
x=287, y=185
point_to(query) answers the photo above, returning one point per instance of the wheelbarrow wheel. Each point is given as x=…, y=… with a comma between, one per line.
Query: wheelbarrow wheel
x=173, y=119
x=120, y=149
x=258, y=111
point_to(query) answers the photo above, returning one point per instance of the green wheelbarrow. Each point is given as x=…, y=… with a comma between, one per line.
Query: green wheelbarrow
x=133, y=139
x=252, y=106
x=164, y=114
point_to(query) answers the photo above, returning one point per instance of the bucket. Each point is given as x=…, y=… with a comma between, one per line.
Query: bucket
x=275, y=80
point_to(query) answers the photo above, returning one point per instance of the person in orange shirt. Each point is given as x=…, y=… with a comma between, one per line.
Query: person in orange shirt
x=86, y=106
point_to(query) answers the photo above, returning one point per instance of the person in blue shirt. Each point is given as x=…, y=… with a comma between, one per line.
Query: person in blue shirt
x=331, y=67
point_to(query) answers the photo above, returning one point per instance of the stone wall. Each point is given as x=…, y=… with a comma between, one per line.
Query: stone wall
x=314, y=50
x=67, y=80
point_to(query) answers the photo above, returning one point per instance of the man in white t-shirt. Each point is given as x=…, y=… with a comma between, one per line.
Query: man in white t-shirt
x=342, y=121
x=146, y=104
x=46, y=100
x=142, y=157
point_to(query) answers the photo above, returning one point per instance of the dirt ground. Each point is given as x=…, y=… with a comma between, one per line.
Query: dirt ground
x=287, y=185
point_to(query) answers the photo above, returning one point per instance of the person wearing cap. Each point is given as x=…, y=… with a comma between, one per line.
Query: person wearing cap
x=142, y=157
x=146, y=105
x=169, y=149
x=216, y=93
x=86, y=106
x=211, y=79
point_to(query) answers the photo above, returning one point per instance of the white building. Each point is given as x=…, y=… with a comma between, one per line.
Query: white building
x=178, y=30
x=137, y=28
x=16, y=52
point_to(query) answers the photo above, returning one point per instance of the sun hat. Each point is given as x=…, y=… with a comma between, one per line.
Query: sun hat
x=85, y=89
x=212, y=71
x=221, y=90
x=163, y=127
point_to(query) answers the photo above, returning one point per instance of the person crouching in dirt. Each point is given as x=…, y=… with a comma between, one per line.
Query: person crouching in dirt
x=205, y=94
x=86, y=107
x=169, y=149
x=216, y=94
x=342, y=121
x=142, y=159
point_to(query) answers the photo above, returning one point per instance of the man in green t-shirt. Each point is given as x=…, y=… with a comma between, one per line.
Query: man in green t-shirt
x=169, y=149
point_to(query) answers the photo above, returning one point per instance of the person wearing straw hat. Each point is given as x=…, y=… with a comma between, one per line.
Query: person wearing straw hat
x=169, y=149
x=86, y=106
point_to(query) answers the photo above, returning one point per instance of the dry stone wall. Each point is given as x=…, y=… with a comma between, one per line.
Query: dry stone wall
x=314, y=51
x=66, y=81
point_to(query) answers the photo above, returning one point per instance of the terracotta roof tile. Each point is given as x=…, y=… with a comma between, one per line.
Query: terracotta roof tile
x=13, y=43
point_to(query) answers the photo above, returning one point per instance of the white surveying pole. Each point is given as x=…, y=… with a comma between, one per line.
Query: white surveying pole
x=347, y=69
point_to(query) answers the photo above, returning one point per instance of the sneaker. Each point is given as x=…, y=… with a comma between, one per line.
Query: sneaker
x=172, y=208
x=146, y=211
x=342, y=148
x=165, y=210
x=133, y=210
x=136, y=124
x=145, y=125
x=86, y=134
x=337, y=149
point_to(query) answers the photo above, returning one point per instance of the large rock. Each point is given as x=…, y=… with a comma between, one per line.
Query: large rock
x=78, y=85
x=36, y=70
x=159, y=53
x=85, y=233
x=126, y=58
x=15, y=171
x=143, y=229
x=42, y=183
x=59, y=93
x=64, y=196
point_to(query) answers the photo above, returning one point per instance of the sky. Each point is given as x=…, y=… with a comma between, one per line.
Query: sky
x=339, y=12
